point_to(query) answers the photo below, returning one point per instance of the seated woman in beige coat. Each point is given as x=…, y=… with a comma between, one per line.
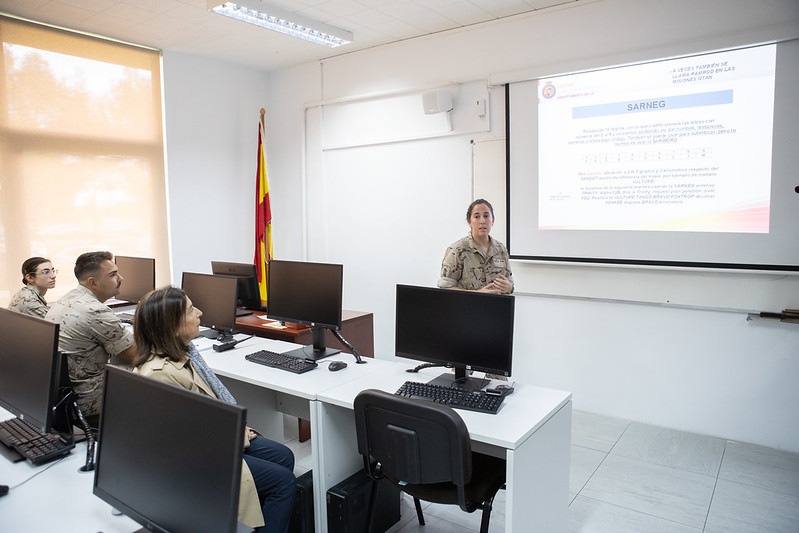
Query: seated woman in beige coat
x=165, y=324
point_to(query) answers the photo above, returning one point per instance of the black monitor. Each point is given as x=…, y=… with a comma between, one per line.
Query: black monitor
x=465, y=330
x=215, y=296
x=169, y=458
x=138, y=275
x=32, y=377
x=308, y=294
x=247, y=277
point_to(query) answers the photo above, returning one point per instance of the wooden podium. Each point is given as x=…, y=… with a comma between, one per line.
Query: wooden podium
x=356, y=326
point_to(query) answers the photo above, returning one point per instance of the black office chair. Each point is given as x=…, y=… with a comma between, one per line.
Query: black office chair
x=425, y=450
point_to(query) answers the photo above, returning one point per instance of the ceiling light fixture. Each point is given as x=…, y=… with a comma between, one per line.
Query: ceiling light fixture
x=266, y=16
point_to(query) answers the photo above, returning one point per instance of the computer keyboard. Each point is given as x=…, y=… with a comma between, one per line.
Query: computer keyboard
x=281, y=361
x=31, y=443
x=459, y=399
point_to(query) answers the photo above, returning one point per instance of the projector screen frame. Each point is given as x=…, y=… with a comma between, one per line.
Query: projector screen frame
x=778, y=198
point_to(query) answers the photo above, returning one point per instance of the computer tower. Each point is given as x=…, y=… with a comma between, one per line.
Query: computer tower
x=348, y=505
x=302, y=514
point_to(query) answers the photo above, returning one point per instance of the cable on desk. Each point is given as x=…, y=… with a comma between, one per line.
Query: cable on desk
x=424, y=365
x=350, y=347
x=39, y=471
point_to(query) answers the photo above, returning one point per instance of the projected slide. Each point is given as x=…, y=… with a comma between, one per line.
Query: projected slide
x=676, y=145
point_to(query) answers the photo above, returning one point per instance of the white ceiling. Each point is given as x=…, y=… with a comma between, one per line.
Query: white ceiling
x=187, y=26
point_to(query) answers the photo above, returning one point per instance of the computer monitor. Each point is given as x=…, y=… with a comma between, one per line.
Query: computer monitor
x=139, y=277
x=247, y=277
x=32, y=377
x=169, y=458
x=215, y=296
x=308, y=294
x=465, y=330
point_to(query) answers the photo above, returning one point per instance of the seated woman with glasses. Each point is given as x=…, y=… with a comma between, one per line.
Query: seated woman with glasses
x=38, y=275
x=164, y=326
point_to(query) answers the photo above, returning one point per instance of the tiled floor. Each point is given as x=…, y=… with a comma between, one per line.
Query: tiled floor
x=631, y=477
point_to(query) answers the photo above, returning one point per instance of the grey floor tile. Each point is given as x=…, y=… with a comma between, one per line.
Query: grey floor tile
x=740, y=508
x=407, y=514
x=761, y=467
x=452, y=514
x=445, y=518
x=303, y=460
x=434, y=524
x=669, y=447
x=669, y=493
x=596, y=431
x=584, y=462
x=592, y=516
x=302, y=455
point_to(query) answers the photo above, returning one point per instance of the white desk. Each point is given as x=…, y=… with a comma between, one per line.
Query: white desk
x=55, y=496
x=269, y=392
x=532, y=430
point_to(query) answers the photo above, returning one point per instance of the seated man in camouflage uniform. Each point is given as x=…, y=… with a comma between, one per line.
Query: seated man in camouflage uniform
x=90, y=333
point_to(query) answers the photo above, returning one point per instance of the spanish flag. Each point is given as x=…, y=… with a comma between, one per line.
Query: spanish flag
x=263, y=213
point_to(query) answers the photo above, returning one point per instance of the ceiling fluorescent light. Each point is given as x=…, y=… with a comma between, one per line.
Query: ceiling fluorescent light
x=270, y=17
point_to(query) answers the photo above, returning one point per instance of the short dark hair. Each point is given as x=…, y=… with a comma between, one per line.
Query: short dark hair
x=89, y=263
x=476, y=203
x=155, y=327
x=30, y=265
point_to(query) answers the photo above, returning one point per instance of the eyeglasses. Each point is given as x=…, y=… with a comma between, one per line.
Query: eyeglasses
x=47, y=272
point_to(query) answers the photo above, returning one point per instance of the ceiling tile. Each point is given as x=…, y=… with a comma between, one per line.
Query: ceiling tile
x=187, y=26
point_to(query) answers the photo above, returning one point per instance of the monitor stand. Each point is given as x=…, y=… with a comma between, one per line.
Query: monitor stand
x=318, y=350
x=215, y=334
x=459, y=380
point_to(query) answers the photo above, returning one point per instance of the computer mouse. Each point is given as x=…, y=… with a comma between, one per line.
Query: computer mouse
x=336, y=365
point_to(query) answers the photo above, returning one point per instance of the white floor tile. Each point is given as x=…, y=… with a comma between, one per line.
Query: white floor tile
x=592, y=516
x=761, y=467
x=596, y=432
x=740, y=508
x=669, y=447
x=584, y=463
x=669, y=493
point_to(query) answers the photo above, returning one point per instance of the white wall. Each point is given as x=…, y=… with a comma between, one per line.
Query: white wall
x=388, y=211
x=211, y=113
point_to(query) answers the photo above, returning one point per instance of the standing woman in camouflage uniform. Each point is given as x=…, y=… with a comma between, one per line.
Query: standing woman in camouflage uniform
x=38, y=275
x=477, y=262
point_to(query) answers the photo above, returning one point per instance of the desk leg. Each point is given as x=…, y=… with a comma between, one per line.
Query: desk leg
x=538, y=478
x=335, y=454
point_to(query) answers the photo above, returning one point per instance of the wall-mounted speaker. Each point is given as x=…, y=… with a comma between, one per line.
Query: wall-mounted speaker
x=436, y=101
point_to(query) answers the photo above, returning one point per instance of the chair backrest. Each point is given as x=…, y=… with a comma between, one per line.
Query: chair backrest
x=415, y=441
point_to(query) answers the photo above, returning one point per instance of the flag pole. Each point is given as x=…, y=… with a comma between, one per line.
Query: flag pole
x=263, y=212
